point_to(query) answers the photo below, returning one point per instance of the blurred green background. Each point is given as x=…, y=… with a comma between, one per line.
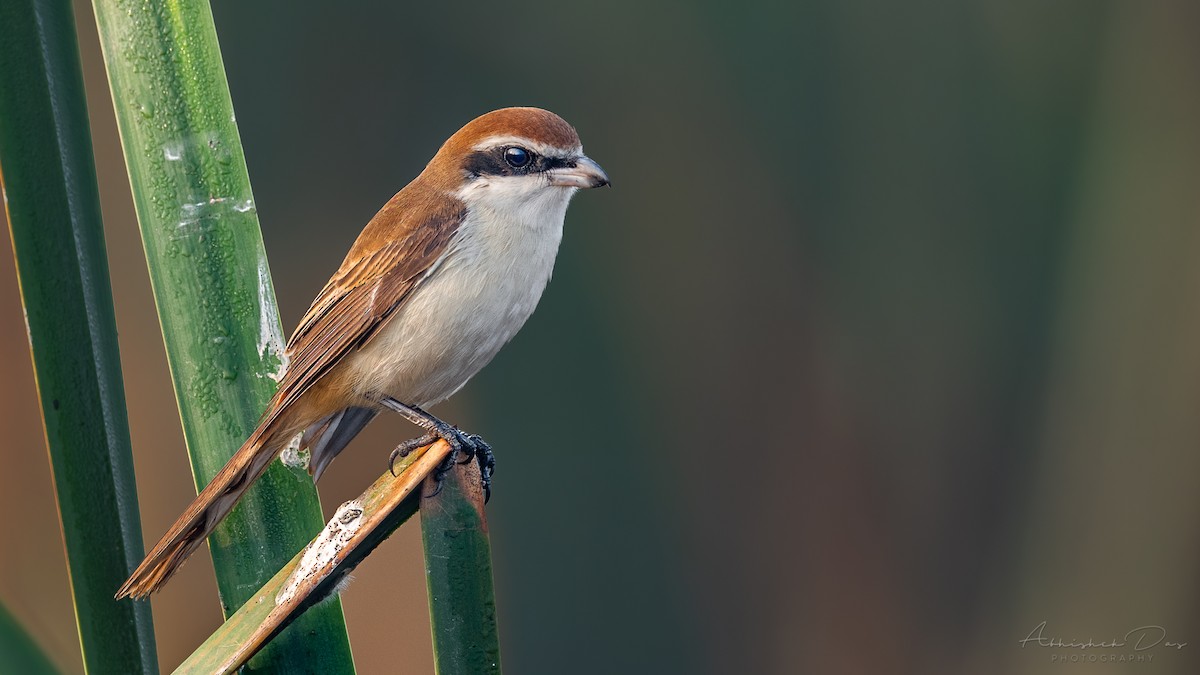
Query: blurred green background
x=883, y=349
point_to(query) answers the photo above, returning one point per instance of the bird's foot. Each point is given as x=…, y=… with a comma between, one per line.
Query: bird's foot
x=467, y=446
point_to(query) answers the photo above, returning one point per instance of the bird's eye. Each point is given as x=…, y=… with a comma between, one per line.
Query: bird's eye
x=516, y=157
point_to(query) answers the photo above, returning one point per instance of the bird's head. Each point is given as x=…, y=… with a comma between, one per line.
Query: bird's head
x=516, y=159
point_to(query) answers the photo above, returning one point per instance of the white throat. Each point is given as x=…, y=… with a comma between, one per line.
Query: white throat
x=522, y=202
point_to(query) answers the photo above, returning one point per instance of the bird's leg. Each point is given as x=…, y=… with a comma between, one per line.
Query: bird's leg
x=469, y=445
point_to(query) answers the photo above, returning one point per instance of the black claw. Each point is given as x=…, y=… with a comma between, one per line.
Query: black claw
x=436, y=491
x=439, y=474
x=408, y=446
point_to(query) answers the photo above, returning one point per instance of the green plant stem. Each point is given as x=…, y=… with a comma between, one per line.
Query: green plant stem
x=18, y=652
x=214, y=295
x=458, y=573
x=353, y=532
x=54, y=215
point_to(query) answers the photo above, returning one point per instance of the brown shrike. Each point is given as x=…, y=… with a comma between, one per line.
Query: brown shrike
x=439, y=280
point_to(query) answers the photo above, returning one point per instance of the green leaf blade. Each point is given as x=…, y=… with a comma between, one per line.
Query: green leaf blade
x=53, y=208
x=458, y=575
x=18, y=652
x=213, y=291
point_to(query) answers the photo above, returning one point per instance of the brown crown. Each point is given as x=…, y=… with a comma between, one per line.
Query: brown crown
x=541, y=126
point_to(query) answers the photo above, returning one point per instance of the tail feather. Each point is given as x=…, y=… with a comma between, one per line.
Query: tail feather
x=202, y=516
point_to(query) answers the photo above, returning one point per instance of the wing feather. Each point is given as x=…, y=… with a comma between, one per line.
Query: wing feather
x=383, y=268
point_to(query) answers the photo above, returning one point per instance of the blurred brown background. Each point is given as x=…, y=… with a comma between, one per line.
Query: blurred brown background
x=884, y=348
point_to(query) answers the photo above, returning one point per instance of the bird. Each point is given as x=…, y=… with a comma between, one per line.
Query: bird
x=440, y=279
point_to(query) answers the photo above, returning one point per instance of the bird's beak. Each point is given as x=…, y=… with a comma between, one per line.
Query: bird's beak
x=585, y=174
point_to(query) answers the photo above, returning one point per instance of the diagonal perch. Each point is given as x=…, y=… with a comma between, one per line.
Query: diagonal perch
x=355, y=530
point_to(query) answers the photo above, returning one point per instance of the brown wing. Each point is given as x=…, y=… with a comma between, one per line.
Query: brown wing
x=388, y=261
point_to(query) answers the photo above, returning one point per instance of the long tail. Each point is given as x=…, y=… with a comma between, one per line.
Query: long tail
x=203, y=515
